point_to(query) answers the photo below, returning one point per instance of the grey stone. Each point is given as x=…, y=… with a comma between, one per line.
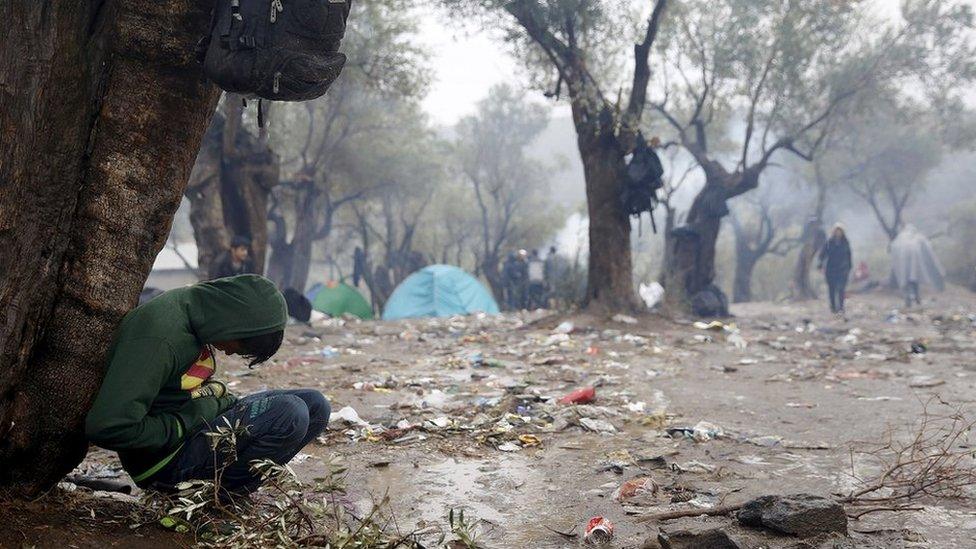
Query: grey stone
x=802, y=515
x=704, y=537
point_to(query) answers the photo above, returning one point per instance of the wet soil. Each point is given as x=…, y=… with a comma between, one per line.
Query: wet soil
x=462, y=413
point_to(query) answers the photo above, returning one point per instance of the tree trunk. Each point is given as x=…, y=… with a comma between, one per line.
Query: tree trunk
x=745, y=263
x=249, y=171
x=108, y=106
x=610, y=284
x=206, y=202
x=301, y=256
x=229, y=188
x=692, y=248
x=489, y=267
x=813, y=240
x=291, y=260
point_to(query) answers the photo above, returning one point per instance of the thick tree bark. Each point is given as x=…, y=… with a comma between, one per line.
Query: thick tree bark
x=691, y=248
x=206, y=203
x=745, y=264
x=291, y=259
x=229, y=187
x=490, y=268
x=610, y=284
x=249, y=171
x=108, y=106
x=813, y=240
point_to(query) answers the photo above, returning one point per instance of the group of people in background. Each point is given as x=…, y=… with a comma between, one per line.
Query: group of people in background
x=527, y=279
x=912, y=263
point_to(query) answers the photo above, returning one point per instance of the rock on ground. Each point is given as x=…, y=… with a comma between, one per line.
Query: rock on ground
x=696, y=537
x=802, y=515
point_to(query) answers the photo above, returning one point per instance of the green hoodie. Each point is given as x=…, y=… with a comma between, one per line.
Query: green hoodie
x=142, y=410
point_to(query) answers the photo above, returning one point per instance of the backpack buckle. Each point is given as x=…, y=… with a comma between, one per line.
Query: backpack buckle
x=247, y=41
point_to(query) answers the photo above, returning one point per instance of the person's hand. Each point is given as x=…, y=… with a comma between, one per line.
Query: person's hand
x=225, y=402
x=211, y=388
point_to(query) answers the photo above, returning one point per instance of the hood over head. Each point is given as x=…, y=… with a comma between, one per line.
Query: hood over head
x=236, y=307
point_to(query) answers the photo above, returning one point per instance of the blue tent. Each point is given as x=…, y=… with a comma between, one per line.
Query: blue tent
x=439, y=290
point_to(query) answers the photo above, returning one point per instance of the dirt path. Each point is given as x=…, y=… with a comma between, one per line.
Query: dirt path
x=448, y=401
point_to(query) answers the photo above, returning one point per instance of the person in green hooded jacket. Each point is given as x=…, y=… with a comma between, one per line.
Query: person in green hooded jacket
x=159, y=398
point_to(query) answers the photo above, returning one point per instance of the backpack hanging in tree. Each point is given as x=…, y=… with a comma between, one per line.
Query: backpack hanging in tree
x=285, y=50
x=643, y=180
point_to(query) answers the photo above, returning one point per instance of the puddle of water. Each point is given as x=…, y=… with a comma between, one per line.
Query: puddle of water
x=507, y=493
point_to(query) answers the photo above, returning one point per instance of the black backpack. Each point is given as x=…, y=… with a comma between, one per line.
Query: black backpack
x=299, y=307
x=284, y=50
x=644, y=172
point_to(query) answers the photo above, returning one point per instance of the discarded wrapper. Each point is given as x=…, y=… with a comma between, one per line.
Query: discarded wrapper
x=585, y=395
x=598, y=531
x=635, y=487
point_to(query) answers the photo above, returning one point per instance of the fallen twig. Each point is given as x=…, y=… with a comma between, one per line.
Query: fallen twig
x=857, y=516
x=681, y=513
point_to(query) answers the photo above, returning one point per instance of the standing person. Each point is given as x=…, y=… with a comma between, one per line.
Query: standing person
x=522, y=280
x=235, y=261
x=159, y=399
x=913, y=263
x=510, y=274
x=552, y=273
x=359, y=267
x=835, y=259
x=536, y=270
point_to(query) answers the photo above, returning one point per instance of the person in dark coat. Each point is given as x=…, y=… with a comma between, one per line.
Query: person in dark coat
x=359, y=267
x=510, y=281
x=235, y=261
x=835, y=260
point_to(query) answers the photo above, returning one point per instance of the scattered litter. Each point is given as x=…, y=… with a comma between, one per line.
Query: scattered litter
x=565, y=327
x=702, y=432
x=599, y=531
x=695, y=467
x=529, y=441
x=327, y=352
x=715, y=325
x=636, y=407
x=509, y=447
x=349, y=415
x=585, y=395
x=624, y=319
x=635, y=487
x=651, y=293
x=597, y=425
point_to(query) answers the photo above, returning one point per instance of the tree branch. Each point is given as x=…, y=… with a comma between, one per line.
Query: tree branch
x=642, y=70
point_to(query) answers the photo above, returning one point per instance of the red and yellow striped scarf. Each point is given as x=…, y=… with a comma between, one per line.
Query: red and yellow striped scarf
x=200, y=371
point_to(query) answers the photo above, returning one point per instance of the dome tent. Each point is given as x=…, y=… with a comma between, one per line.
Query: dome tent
x=439, y=290
x=338, y=298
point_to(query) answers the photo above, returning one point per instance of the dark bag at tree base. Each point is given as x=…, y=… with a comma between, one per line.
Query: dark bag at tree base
x=284, y=50
x=299, y=307
x=710, y=302
x=643, y=179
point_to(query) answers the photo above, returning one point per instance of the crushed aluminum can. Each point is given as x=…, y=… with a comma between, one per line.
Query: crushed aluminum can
x=599, y=531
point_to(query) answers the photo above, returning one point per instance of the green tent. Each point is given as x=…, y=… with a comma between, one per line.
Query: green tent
x=338, y=298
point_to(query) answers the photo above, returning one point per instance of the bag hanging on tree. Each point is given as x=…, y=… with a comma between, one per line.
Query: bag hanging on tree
x=283, y=50
x=644, y=172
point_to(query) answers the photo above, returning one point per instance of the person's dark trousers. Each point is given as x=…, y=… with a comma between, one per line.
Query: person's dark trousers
x=536, y=295
x=278, y=425
x=912, y=294
x=837, y=288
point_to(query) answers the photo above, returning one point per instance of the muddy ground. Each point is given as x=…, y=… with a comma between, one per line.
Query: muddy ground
x=461, y=413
